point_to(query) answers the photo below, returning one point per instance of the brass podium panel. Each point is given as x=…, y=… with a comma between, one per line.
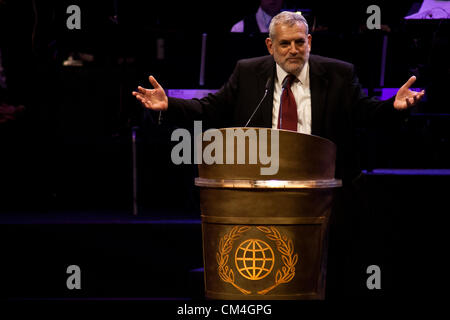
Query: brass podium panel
x=265, y=237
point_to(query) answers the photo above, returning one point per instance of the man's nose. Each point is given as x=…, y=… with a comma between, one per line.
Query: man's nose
x=293, y=48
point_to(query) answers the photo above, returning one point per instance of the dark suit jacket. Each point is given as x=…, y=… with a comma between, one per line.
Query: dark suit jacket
x=337, y=102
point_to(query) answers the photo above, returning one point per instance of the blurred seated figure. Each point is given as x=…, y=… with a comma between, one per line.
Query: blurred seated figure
x=429, y=9
x=260, y=21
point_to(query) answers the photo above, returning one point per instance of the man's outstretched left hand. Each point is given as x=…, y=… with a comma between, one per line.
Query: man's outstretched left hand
x=406, y=98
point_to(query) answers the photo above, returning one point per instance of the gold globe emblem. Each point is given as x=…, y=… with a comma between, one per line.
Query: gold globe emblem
x=254, y=259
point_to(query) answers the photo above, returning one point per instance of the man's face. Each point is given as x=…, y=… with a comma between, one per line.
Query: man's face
x=290, y=47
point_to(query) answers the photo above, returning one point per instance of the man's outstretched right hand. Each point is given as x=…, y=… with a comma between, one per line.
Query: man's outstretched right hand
x=155, y=99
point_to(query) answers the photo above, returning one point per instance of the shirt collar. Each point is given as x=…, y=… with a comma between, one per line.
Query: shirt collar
x=303, y=77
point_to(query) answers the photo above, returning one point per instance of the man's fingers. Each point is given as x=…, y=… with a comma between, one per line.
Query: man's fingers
x=139, y=96
x=142, y=90
x=141, y=99
x=154, y=83
x=144, y=101
x=421, y=94
x=410, y=82
x=409, y=102
x=417, y=96
x=145, y=95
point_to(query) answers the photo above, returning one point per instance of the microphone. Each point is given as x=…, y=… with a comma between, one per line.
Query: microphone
x=266, y=90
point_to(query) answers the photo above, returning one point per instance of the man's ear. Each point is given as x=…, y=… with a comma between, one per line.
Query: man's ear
x=269, y=45
x=309, y=41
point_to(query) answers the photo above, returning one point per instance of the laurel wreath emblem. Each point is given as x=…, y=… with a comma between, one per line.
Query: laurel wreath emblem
x=284, y=245
x=286, y=248
x=225, y=246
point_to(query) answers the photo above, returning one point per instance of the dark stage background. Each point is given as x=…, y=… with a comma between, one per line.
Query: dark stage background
x=67, y=167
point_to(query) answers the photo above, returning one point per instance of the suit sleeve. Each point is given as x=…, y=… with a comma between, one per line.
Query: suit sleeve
x=215, y=110
x=370, y=111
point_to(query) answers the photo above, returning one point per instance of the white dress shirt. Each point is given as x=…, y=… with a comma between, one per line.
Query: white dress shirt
x=302, y=95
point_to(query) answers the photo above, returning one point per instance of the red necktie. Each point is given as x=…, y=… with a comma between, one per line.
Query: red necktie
x=287, y=118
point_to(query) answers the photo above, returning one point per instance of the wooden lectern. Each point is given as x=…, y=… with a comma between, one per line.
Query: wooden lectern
x=265, y=236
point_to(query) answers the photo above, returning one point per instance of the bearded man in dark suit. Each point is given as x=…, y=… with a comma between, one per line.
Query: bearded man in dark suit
x=329, y=99
x=329, y=102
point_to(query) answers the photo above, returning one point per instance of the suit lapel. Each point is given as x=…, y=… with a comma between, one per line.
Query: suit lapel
x=267, y=71
x=318, y=86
